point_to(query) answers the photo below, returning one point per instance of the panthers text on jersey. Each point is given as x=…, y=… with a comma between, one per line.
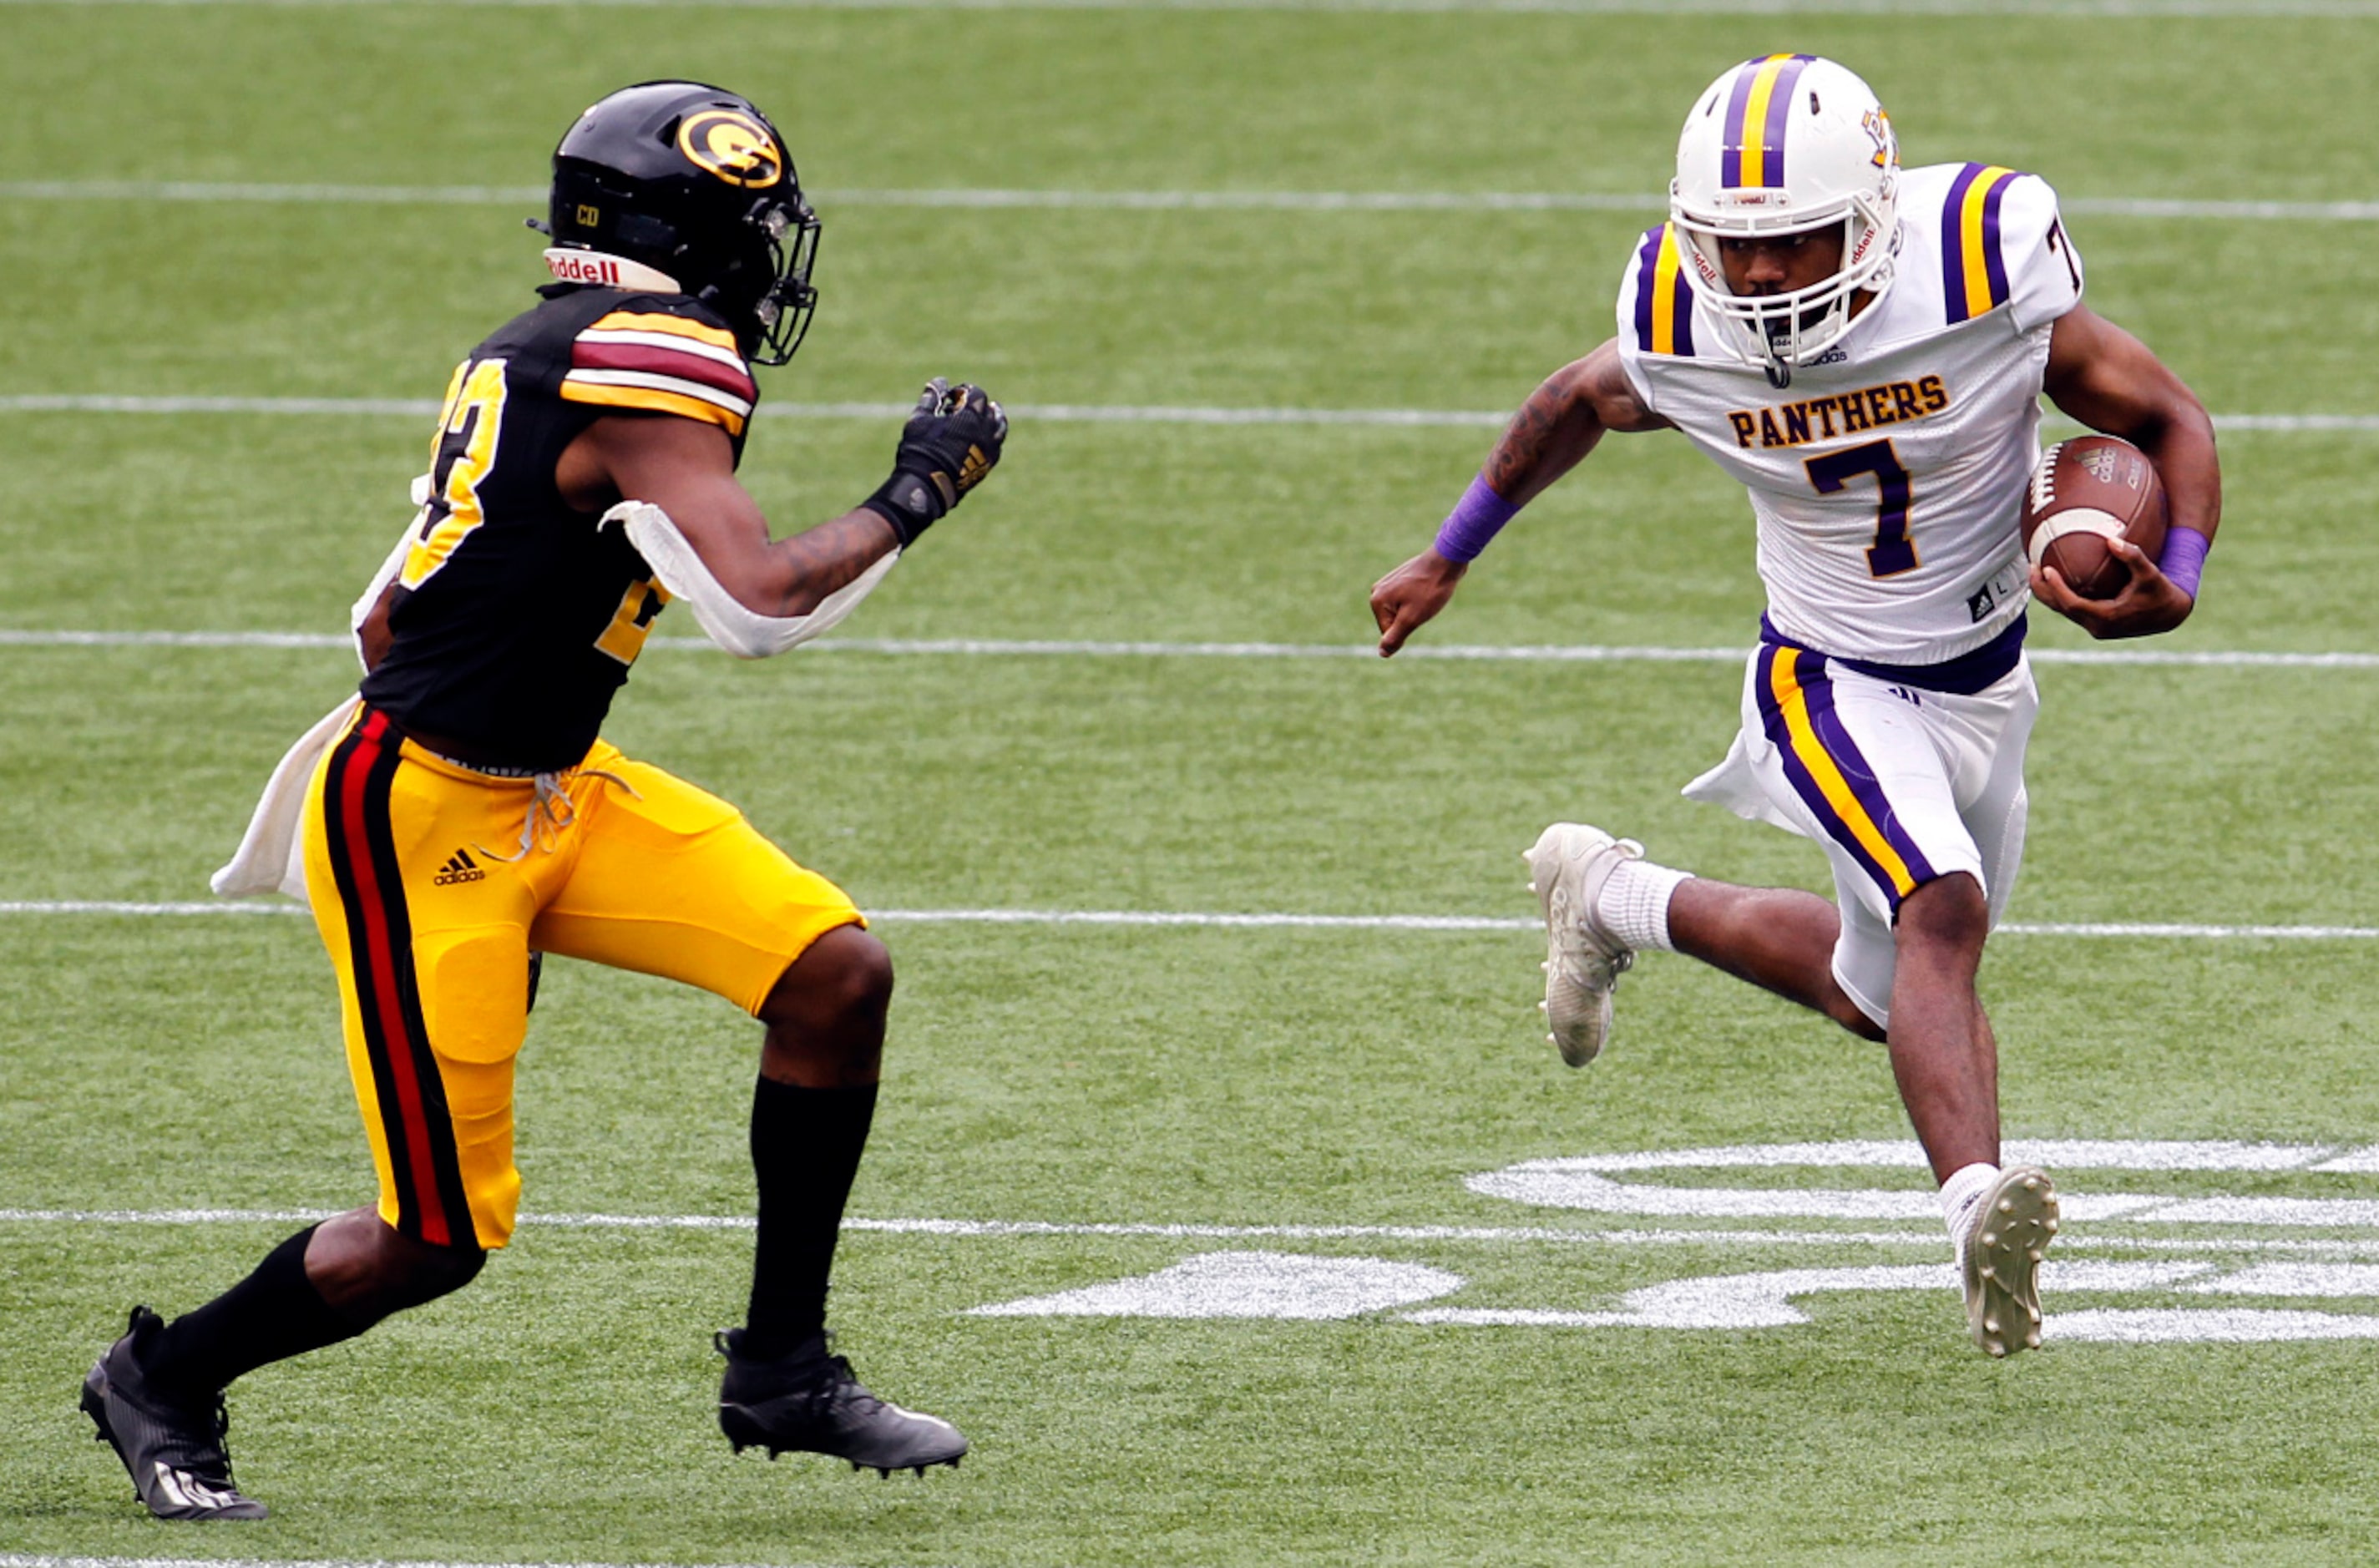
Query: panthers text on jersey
x=1886, y=478
x=515, y=619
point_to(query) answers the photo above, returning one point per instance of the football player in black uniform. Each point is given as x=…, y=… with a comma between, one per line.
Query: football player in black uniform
x=464, y=814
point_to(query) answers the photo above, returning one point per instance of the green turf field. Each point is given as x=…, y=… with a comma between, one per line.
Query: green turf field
x=1138, y=1111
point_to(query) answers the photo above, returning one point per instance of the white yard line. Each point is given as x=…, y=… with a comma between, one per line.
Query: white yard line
x=996, y=199
x=35, y=1560
x=1539, y=653
x=1928, y=1236
x=2116, y=10
x=1177, y=920
x=1053, y=413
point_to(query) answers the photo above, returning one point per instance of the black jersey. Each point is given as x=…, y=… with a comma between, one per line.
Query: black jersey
x=515, y=619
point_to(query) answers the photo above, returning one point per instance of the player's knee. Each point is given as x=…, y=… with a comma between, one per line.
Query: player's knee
x=844, y=979
x=1947, y=914
x=366, y=1269
x=1851, y=1015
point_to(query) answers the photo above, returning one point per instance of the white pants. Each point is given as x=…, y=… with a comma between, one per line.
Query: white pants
x=1901, y=784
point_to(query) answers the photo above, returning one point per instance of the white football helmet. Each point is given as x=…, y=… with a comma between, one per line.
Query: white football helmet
x=1779, y=145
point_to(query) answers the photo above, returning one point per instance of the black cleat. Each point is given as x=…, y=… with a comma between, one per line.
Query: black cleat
x=172, y=1446
x=809, y=1401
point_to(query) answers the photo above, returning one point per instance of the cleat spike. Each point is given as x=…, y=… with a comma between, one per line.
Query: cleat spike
x=1991, y=1238
x=854, y=1466
x=2032, y=1340
x=2007, y=1205
x=884, y=1472
x=921, y=1472
x=1532, y=887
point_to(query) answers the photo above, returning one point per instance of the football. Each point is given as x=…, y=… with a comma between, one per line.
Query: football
x=2084, y=492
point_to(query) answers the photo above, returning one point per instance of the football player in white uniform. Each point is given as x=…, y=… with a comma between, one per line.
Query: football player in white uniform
x=1864, y=347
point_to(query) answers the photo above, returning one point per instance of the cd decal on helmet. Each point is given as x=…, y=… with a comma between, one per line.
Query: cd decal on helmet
x=733, y=146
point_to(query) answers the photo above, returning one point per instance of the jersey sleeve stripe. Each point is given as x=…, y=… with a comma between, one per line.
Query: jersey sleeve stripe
x=1973, y=272
x=655, y=322
x=1665, y=302
x=613, y=355
x=694, y=348
x=683, y=398
x=1672, y=312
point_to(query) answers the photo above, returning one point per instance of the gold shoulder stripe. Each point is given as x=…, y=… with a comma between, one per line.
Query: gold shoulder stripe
x=676, y=326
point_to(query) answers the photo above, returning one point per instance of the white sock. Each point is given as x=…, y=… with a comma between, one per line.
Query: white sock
x=1633, y=905
x=1967, y=1187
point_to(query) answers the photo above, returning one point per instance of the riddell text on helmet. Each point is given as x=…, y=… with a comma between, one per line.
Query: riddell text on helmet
x=572, y=269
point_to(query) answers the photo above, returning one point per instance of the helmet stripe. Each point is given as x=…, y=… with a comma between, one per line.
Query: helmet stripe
x=1752, y=154
x=1973, y=272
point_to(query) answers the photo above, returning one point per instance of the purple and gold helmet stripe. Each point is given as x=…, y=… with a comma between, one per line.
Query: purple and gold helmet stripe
x=1664, y=301
x=1751, y=155
x=1973, y=272
x=1796, y=706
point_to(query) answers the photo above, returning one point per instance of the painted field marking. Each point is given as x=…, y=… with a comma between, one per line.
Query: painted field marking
x=1283, y=1285
x=38, y=1559
x=998, y=200
x=1169, y=920
x=1056, y=412
x=1926, y=1236
x=1044, y=648
x=1278, y=1285
x=2112, y=9
x=1580, y=1182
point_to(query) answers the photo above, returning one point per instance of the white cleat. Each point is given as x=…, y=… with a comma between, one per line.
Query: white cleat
x=1568, y=867
x=2013, y=1224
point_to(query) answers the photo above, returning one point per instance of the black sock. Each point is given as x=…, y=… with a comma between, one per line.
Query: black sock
x=805, y=1148
x=271, y=1314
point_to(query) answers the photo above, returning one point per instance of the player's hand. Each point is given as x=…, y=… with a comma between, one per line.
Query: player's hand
x=953, y=438
x=1407, y=599
x=2150, y=602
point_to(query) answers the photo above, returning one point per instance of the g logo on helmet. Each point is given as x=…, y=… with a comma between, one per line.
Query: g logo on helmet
x=732, y=145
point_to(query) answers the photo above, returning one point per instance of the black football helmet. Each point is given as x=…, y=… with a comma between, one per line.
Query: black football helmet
x=693, y=182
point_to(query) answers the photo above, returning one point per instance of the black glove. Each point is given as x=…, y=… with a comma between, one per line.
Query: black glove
x=949, y=443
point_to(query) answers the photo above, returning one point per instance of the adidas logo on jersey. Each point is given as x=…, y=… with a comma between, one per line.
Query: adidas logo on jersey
x=459, y=867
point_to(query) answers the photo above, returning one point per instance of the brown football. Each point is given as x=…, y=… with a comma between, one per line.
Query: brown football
x=2084, y=492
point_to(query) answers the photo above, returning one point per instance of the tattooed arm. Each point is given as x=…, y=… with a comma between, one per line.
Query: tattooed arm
x=687, y=469
x=1554, y=429
x=1562, y=422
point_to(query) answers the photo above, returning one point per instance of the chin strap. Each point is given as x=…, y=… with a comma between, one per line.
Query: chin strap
x=743, y=632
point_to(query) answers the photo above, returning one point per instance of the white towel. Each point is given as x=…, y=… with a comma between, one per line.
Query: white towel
x=270, y=858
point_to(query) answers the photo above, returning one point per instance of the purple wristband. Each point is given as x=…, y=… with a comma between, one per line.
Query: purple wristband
x=1476, y=519
x=2183, y=558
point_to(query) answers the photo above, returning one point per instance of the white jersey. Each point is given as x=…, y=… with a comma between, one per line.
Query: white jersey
x=1886, y=478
